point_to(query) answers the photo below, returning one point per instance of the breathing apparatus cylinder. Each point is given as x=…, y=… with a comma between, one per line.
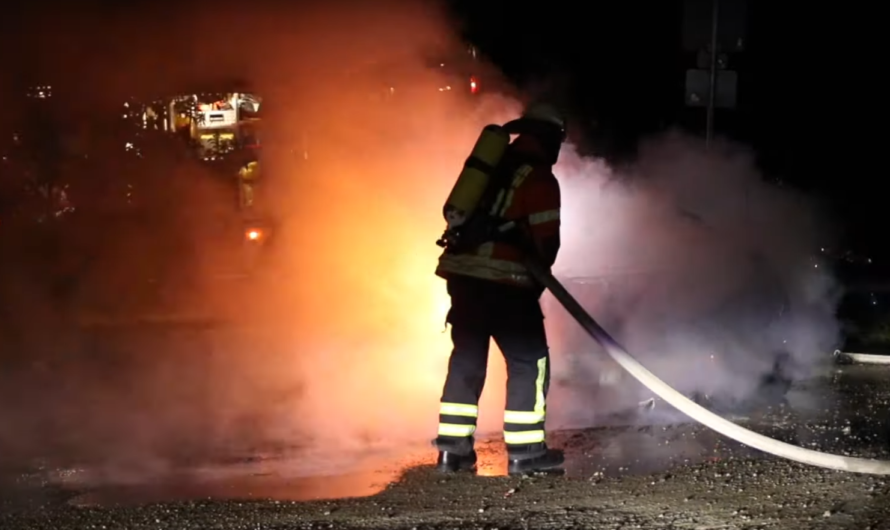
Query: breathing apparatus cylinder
x=473, y=180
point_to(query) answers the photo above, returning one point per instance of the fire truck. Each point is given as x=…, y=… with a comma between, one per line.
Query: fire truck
x=187, y=189
x=222, y=131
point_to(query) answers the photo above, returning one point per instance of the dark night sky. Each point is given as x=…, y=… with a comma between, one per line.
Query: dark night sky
x=810, y=93
x=807, y=92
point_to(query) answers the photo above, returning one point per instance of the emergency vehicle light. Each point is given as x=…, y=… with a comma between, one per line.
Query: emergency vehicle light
x=253, y=234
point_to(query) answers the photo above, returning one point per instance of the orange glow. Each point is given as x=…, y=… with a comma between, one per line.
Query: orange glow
x=339, y=341
x=377, y=345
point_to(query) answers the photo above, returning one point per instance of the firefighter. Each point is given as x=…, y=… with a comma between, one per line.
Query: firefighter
x=493, y=296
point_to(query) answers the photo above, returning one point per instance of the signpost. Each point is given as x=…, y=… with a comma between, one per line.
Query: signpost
x=714, y=29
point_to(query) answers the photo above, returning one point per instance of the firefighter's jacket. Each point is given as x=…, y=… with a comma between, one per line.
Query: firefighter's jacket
x=530, y=197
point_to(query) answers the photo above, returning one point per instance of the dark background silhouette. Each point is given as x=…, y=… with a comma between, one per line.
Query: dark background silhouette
x=808, y=88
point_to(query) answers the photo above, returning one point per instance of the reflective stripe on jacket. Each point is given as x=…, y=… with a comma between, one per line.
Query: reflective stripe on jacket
x=532, y=196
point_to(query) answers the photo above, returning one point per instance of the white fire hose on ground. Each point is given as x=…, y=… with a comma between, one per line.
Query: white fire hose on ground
x=689, y=407
x=861, y=358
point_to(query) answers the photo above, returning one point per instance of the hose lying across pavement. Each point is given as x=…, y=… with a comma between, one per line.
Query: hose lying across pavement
x=862, y=358
x=692, y=409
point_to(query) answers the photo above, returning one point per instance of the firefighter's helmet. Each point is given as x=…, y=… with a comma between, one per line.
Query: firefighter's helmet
x=545, y=112
x=540, y=119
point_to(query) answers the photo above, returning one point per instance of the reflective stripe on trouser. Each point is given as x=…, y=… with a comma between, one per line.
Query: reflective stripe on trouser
x=457, y=420
x=480, y=311
x=526, y=427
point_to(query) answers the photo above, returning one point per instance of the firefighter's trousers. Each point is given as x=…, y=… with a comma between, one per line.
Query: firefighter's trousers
x=481, y=310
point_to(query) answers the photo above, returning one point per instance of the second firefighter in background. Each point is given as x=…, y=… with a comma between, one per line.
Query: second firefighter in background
x=494, y=296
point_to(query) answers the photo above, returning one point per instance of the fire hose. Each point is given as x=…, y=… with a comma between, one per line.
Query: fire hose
x=861, y=358
x=689, y=407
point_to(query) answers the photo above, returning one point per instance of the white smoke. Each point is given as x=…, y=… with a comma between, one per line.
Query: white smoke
x=699, y=266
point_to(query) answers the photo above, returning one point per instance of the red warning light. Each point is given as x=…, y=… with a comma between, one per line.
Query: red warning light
x=474, y=85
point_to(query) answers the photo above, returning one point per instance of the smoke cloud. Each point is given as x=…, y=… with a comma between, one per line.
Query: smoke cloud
x=340, y=345
x=700, y=267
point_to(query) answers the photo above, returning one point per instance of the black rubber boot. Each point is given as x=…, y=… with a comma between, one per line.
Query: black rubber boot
x=449, y=462
x=535, y=458
x=455, y=455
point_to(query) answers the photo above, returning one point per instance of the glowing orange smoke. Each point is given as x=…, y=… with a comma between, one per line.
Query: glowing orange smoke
x=361, y=150
x=372, y=211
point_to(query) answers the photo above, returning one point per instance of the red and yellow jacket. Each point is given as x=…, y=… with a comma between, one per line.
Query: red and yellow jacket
x=532, y=197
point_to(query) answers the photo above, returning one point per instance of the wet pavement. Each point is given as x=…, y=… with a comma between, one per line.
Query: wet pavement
x=645, y=474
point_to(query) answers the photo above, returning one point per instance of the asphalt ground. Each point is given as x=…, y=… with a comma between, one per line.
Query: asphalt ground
x=646, y=474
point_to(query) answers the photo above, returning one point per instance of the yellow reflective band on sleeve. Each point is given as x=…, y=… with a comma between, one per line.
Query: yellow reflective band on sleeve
x=523, y=417
x=459, y=409
x=451, y=429
x=523, y=437
x=543, y=217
